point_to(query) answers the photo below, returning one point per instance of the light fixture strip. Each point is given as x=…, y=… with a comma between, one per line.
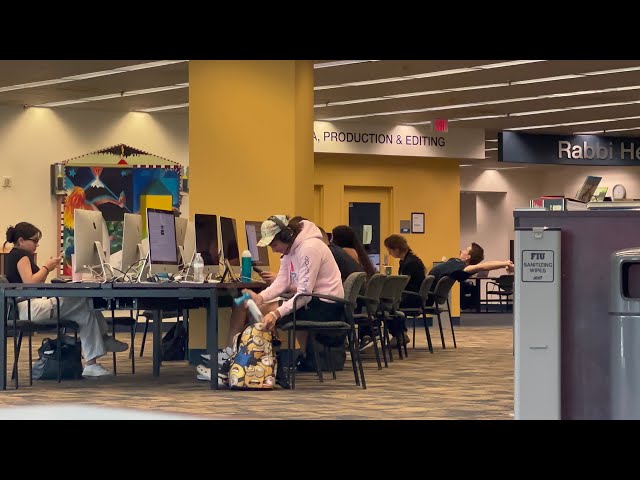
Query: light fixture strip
x=113, y=95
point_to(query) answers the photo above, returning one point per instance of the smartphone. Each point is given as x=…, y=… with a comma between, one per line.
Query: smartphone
x=257, y=270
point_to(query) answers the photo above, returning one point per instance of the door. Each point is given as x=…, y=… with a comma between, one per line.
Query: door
x=368, y=215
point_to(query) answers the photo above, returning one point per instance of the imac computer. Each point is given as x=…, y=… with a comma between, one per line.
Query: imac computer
x=206, y=242
x=259, y=255
x=88, y=238
x=229, y=238
x=163, y=249
x=181, y=231
x=132, y=251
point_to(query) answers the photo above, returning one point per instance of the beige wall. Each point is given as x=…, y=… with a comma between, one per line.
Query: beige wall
x=497, y=194
x=32, y=139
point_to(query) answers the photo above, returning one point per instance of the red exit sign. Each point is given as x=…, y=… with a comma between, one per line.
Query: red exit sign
x=440, y=125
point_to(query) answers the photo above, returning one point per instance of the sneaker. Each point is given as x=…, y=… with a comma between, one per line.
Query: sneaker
x=394, y=342
x=204, y=374
x=365, y=342
x=113, y=345
x=224, y=355
x=95, y=370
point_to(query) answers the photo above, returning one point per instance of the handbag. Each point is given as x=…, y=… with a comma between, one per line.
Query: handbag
x=174, y=342
x=46, y=367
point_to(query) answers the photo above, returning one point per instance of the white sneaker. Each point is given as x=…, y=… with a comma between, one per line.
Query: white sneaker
x=113, y=345
x=204, y=374
x=95, y=370
x=224, y=355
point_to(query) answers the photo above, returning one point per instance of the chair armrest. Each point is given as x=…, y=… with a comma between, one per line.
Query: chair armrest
x=409, y=292
x=367, y=300
x=320, y=295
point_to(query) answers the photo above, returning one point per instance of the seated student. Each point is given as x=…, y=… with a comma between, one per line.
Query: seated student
x=345, y=237
x=20, y=268
x=307, y=265
x=410, y=265
x=468, y=263
x=346, y=263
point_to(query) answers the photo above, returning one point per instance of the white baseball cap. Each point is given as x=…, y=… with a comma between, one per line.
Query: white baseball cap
x=270, y=229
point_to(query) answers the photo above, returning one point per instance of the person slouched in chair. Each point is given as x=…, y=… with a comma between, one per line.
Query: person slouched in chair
x=469, y=262
x=306, y=266
x=411, y=265
x=20, y=268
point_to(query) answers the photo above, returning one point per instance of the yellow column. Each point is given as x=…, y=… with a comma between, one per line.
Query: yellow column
x=250, y=143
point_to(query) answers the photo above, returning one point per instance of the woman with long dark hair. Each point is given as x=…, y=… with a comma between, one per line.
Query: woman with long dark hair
x=345, y=237
x=92, y=327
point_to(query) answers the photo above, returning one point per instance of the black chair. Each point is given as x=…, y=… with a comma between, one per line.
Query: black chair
x=331, y=328
x=414, y=313
x=18, y=328
x=148, y=315
x=503, y=288
x=389, y=311
x=367, y=317
x=439, y=297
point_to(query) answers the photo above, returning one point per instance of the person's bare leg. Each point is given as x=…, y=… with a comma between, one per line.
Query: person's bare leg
x=237, y=323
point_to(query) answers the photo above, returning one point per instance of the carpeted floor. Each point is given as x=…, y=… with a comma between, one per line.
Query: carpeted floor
x=474, y=381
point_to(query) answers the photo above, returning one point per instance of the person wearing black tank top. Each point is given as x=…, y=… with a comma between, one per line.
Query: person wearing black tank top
x=20, y=268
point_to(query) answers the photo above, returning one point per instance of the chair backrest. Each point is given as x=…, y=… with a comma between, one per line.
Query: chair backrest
x=443, y=287
x=393, y=288
x=352, y=286
x=374, y=286
x=425, y=288
x=505, y=282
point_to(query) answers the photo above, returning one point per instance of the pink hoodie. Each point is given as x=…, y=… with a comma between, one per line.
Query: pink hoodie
x=309, y=267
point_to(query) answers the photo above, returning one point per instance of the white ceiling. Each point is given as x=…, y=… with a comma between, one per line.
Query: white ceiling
x=508, y=96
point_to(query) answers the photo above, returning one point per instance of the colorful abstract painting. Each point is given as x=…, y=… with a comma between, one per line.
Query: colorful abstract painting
x=116, y=181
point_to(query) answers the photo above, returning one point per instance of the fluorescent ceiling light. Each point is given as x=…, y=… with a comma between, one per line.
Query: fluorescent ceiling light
x=165, y=107
x=504, y=168
x=467, y=165
x=607, y=131
x=87, y=76
x=340, y=63
x=490, y=149
x=428, y=74
x=568, y=124
x=489, y=102
x=494, y=140
x=114, y=95
x=479, y=87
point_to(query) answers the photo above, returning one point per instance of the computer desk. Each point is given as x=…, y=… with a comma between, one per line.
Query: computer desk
x=147, y=293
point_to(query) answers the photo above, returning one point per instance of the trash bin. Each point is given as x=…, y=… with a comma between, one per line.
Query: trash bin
x=624, y=318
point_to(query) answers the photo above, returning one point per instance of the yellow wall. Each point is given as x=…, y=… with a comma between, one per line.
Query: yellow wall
x=250, y=142
x=426, y=185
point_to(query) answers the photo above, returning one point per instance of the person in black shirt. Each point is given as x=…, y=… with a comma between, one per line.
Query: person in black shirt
x=20, y=268
x=468, y=263
x=345, y=237
x=346, y=264
x=410, y=265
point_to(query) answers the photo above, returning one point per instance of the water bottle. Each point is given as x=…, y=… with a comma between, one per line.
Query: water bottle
x=198, y=269
x=254, y=310
x=245, y=272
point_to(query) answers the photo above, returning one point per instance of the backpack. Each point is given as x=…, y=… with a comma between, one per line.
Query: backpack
x=46, y=367
x=174, y=342
x=252, y=365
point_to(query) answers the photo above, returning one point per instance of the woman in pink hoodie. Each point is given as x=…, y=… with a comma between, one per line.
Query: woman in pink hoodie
x=307, y=266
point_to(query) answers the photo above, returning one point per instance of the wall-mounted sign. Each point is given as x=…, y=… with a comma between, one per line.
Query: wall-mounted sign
x=401, y=140
x=417, y=222
x=518, y=147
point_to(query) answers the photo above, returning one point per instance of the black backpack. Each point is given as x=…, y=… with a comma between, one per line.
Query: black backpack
x=174, y=343
x=46, y=367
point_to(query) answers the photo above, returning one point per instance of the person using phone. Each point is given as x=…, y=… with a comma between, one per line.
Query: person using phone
x=20, y=268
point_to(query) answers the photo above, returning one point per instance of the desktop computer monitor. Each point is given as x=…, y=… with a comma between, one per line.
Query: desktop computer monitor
x=163, y=249
x=229, y=241
x=131, y=240
x=88, y=237
x=206, y=241
x=181, y=230
x=189, y=243
x=259, y=255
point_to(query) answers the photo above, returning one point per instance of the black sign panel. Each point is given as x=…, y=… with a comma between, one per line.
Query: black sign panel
x=515, y=147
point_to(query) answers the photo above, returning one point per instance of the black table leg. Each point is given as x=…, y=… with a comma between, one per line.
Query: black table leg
x=157, y=342
x=212, y=336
